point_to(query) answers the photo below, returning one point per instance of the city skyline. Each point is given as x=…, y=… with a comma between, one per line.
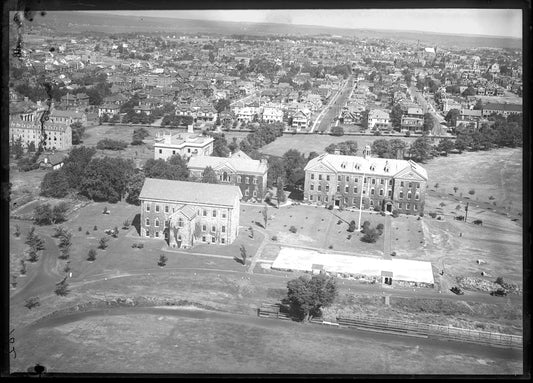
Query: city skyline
x=483, y=22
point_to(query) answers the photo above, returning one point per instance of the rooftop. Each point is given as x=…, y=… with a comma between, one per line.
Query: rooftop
x=239, y=165
x=189, y=192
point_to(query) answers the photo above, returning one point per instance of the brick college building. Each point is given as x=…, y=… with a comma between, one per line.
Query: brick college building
x=184, y=213
x=385, y=184
x=239, y=169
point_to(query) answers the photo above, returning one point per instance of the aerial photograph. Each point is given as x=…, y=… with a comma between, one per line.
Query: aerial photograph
x=252, y=192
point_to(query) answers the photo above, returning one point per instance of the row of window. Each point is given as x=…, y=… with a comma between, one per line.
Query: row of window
x=373, y=181
x=181, y=222
x=225, y=177
x=204, y=212
x=355, y=190
x=356, y=201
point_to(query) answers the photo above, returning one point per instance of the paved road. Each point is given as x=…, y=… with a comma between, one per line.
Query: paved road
x=325, y=118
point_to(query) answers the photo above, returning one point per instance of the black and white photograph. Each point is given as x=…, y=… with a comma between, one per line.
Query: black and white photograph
x=248, y=192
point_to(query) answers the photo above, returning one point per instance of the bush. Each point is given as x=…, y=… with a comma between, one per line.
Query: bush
x=87, y=232
x=395, y=213
x=274, y=238
x=32, y=302
x=471, y=192
x=95, y=228
x=432, y=214
x=380, y=227
x=79, y=228
x=92, y=255
x=22, y=267
x=330, y=247
x=293, y=229
x=162, y=260
x=370, y=236
x=134, y=245
x=110, y=144
x=351, y=226
x=366, y=227
x=330, y=207
x=67, y=267
x=140, y=245
x=62, y=288
x=103, y=243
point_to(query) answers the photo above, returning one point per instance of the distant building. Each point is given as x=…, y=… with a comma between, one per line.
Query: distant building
x=187, y=213
x=379, y=119
x=67, y=117
x=248, y=174
x=25, y=123
x=503, y=109
x=375, y=183
x=185, y=144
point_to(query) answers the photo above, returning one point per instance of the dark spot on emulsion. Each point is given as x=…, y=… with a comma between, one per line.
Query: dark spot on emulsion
x=43, y=13
x=52, y=49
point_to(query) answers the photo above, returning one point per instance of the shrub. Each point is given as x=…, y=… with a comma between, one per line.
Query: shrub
x=109, y=144
x=32, y=302
x=17, y=231
x=393, y=254
x=380, y=227
x=439, y=218
x=491, y=198
x=471, y=192
x=92, y=255
x=95, y=228
x=126, y=224
x=351, y=226
x=162, y=260
x=102, y=244
x=293, y=229
x=432, y=214
x=442, y=204
x=395, y=213
x=274, y=238
x=33, y=257
x=67, y=267
x=366, y=227
x=370, y=236
x=330, y=247
x=134, y=245
x=22, y=267
x=87, y=232
x=140, y=245
x=79, y=228
x=339, y=222
x=62, y=288
x=330, y=207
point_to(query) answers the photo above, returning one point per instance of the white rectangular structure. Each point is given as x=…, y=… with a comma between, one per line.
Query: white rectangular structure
x=402, y=269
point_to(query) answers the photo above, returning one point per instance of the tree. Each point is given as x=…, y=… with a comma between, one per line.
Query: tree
x=381, y=148
x=175, y=168
x=220, y=145
x=243, y=254
x=429, y=122
x=371, y=236
x=75, y=165
x=55, y=184
x=77, y=132
x=59, y=212
x=451, y=117
x=294, y=163
x=265, y=215
x=139, y=134
x=31, y=147
x=102, y=244
x=162, y=260
x=445, y=145
x=455, y=188
x=470, y=91
x=280, y=192
x=110, y=144
x=420, y=149
x=209, y=176
x=134, y=187
x=32, y=302
x=91, y=256
x=106, y=179
x=276, y=169
x=42, y=214
x=222, y=104
x=396, y=116
x=308, y=295
x=17, y=149
x=346, y=148
x=62, y=288
x=397, y=148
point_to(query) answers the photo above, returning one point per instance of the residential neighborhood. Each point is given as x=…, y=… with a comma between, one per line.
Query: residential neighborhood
x=266, y=197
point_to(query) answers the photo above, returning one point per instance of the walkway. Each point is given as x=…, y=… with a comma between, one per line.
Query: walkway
x=259, y=251
x=387, y=238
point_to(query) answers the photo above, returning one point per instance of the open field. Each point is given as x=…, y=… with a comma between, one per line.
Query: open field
x=171, y=341
x=317, y=143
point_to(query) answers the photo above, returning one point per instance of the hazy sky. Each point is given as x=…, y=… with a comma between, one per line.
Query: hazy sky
x=495, y=22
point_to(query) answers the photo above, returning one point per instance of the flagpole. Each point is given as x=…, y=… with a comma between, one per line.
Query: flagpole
x=361, y=202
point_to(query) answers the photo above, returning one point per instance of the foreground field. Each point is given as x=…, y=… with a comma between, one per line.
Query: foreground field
x=169, y=341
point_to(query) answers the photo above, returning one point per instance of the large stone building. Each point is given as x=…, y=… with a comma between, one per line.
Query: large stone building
x=385, y=184
x=184, y=213
x=25, y=123
x=185, y=144
x=239, y=169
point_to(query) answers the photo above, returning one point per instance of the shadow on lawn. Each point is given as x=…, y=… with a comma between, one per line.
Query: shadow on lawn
x=137, y=223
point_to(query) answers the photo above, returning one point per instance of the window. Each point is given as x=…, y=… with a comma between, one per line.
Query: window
x=320, y=177
x=318, y=198
x=147, y=223
x=401, y=195
x=380, y=191
x=418, y=185
x=414, y=206
x=180, y=222
x=223, y=213
x=327, y=177
x=364, y=180
x=223, y=229
x=408, y=206
x=203, y=238
x=409, y=194
x=311, y=187
x=157, y=208
x=399, y=205
x=246, y=192
x=238, y=179
x=401, y=183
x=356, y=179
x=312, y=176
x=355, y=190
x=166, y=208
x=339, y=178
x=410, y=184
x=254, y=193
x=346, y=188
x=212, y=239
x=246, y=180
x=354, y=201
x=347, y=178
x=147, y=206
x=173, y=152
x=214, y=213
x=310, y=198
x=372, y=191
x=222, y=240
x=319, y=187
x=188, y=150
x=326, y=199
x=204, y=213
x=156, y=223
x=382, y=181
x=254, y=181
x=157, y=234
x=160, y=151
x=389, y=193
x=213, y=228
x=373, y=181
x=204, y=228
x=371, y=203
x=147, y=233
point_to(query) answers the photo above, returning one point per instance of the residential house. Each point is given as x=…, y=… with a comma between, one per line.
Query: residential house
x=109, y=109
x=187, y=213
x=379, y=119
x=187, y=145
x=301, y=119
x=67, y=117
x=469, y=117
x=272, y=114
x=373, y=183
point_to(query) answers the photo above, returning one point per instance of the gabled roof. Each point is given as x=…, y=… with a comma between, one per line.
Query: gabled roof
x=240, y=165
x=189, y=192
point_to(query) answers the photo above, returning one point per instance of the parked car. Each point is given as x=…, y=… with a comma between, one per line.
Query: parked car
x=457, y=290
x=498, y=293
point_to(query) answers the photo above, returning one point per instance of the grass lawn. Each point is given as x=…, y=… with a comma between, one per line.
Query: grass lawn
x=317, y=143
x=166, y=343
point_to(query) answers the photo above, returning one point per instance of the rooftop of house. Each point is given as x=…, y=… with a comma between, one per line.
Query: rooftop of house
x=182, y=139
x=505, y=107
x=235, y=163
x=190, y=192
x=369, y=165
